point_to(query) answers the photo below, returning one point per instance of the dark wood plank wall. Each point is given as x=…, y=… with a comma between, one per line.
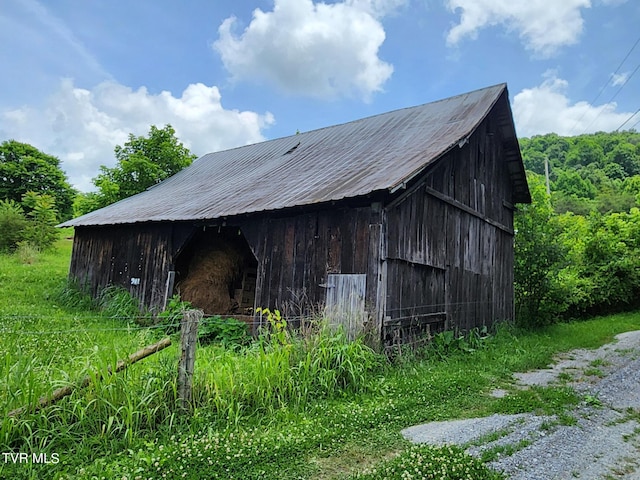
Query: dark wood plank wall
x=455, y=223
x=296, y=253
x=113, y=255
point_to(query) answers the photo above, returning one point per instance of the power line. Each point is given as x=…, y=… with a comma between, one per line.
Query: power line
x=626, y=80
x=611, y=77
x=632, y=115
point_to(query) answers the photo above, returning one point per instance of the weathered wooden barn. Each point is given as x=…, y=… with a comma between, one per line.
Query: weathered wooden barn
x=402, y=221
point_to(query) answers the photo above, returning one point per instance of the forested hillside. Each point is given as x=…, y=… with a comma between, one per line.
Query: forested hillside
x=578, y=249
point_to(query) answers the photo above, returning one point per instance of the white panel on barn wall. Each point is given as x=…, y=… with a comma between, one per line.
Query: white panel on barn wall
x=345, y=302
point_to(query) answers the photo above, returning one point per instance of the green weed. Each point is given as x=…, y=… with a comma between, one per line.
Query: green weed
x=507, y=450
x=116, y=302
x=228, y=332
x=429, y=462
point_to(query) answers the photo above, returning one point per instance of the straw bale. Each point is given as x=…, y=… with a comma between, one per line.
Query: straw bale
x=212, y=273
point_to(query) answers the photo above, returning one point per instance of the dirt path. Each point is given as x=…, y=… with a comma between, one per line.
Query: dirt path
x=602, y=443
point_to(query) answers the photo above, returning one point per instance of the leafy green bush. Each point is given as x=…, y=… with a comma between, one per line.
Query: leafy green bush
x=12, y=225
x=228, y=332
x=605, y=275
x=538, y=260
x=429, y=462
x=448, y=342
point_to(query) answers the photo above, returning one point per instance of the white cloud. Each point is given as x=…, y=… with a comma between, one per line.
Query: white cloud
x=619, y=78
x=542, y=25
x=82, y=127
x=318, y=50
x=546, y=108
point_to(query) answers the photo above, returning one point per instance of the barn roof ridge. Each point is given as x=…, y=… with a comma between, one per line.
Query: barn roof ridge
x=348, y=122
x=335, y=162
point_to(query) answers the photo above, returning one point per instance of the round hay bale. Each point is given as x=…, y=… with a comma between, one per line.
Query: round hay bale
x=212, y=274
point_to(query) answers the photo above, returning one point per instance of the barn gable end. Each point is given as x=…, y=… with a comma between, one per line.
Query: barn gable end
x=450, y=242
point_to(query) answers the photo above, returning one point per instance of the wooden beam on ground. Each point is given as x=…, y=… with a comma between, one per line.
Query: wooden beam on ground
x=68, y=389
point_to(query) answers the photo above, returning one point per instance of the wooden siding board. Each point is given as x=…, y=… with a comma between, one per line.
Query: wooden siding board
x=345, y=302
x=104, y=257
x=301, y=249
x=457, y=221
x=347, y=244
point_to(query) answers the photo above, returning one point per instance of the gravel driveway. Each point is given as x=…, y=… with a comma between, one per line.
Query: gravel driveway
x=604, y=443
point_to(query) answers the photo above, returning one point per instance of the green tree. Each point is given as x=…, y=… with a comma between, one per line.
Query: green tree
x=42, y=215
x=571, y=183
x=24, y=168
x=141, y=163
x=631, y=186
x=611, y=263
x=585, y=151
x=12, y=225
x=626, y=155
x=614, y=171
x=534, y=161
x=538, y=256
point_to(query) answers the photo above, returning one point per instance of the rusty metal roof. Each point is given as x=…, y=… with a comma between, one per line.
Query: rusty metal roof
x=377, y=153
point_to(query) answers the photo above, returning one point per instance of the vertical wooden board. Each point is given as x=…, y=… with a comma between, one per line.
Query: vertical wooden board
x=435, y=232
x=418, y=226
x=269, y=274
x=254, y=232
x=279, y=282
x=467, y=241
x=347, y=231
x=290, y=232
x=393, y=230
x=320, y=259
x=345, y=302
x=361, y=245
x=299, y=246
x=462, y=176
x=334, y=254
x=373, y=269
x=455, y=241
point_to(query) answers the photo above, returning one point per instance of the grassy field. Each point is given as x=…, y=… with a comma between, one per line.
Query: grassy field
x=285, y=407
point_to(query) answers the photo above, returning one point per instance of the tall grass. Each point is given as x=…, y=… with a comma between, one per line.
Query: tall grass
x=273, y=375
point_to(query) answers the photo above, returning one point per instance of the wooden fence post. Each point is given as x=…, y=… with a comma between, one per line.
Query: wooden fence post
x=188, y=342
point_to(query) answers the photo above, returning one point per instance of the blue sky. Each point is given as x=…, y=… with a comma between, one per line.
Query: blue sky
x=79, y=76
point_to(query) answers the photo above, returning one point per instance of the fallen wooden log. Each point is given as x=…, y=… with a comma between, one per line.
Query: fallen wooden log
x=68, y=389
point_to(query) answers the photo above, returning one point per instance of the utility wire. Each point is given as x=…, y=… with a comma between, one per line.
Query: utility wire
x=613, y=97
x=206, y=320
x=624, y=123
x=611, y=77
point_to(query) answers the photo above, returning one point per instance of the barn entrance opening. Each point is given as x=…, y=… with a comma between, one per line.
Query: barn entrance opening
x=217, y=272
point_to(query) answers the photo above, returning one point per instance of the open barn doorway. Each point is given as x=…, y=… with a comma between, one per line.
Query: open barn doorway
x=217, y=272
